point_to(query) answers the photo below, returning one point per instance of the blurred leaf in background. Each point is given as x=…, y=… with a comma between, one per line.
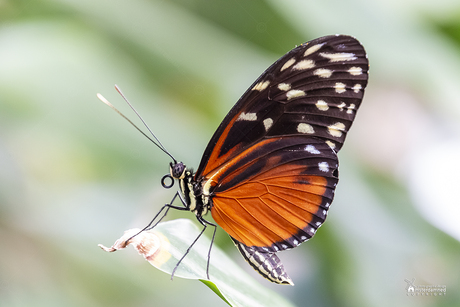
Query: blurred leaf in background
x=74, y=174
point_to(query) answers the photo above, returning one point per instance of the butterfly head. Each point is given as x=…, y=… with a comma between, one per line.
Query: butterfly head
x=177, y=170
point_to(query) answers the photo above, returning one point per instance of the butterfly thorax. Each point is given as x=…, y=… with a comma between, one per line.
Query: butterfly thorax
x=191, y=190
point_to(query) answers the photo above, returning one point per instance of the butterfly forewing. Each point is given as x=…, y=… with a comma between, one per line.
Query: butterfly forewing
x=313, y=90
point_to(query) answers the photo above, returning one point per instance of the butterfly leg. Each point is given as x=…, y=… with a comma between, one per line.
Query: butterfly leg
x=167, y=207
x=205, y=224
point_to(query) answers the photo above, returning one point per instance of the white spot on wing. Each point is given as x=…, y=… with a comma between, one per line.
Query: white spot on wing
x=312, y=149
x=261, y=86
x=323, y=166
x=260, y=257
x=261, y=268
x=268, y=265
x=284, y=87
x=355, y=71
x=331, y=144
x=313, y=49
x=342, y=105
x=305, y=128
x=322, y=105
x=294, y=93
x=323, y=72
x=288, y=64
x=357, y=88
x=351, y=108
x=247, y=116
x=268, y=122
x=246, y=253
x=340, y=87
x=304, y=64
x=336, y=129
x=339, y=56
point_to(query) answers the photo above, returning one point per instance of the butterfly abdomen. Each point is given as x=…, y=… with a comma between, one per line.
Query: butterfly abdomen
x=267, y=264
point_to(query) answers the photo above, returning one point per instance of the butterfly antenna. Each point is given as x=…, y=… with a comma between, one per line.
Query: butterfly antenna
x=157, y=143
x=145, y=124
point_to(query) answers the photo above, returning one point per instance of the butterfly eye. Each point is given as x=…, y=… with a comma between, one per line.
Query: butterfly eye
x=177, y=170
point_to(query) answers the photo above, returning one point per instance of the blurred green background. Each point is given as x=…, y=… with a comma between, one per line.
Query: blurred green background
x=74, y=174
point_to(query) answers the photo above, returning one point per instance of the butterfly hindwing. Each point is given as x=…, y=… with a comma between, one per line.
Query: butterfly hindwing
x=277, y=193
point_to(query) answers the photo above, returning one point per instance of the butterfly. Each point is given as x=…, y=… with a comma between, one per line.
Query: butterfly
x=269, y=172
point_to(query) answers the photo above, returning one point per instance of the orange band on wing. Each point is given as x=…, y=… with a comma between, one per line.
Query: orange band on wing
x=271, y=208
x=213, y=178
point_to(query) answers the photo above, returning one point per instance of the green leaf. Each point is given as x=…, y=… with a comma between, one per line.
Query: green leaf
x=214, y=288
x=166, y=244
